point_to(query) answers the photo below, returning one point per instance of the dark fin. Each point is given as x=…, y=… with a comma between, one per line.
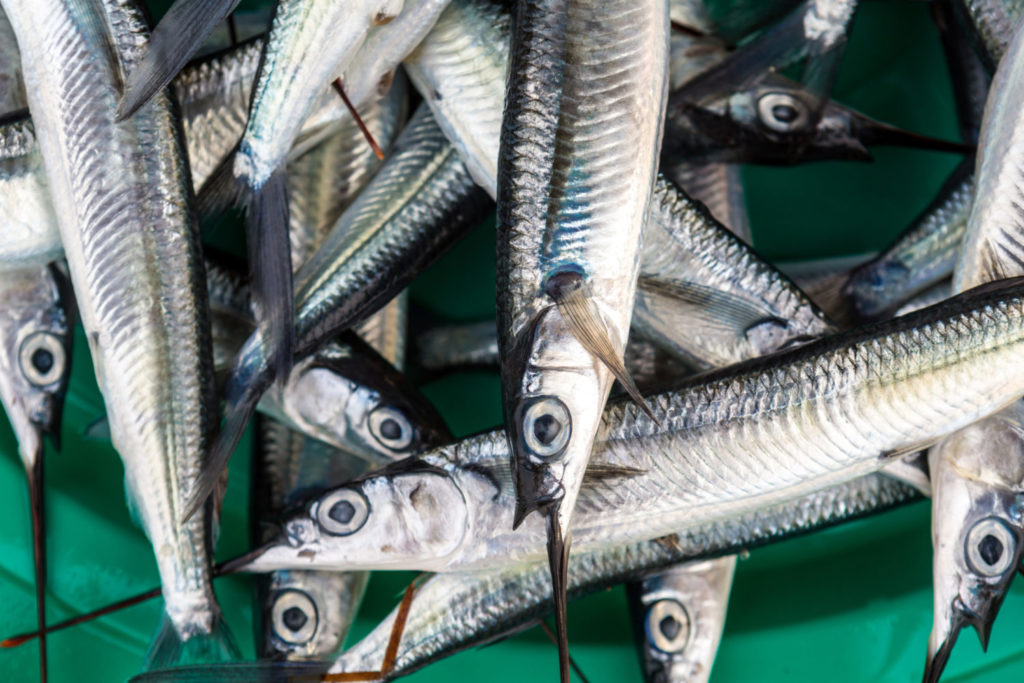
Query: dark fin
x=598, y=473
x=685, y=29
x=571, y=295
x=168, y=649
x=558, y=559
x=340, y=89
x=98, y=429
x=22, y=638
x=240, y=399
x=232, y=30
x=220, y=191
x=937, y=663
x=240, y=672
x=271, y=264
x=780, y=45
x=36, y=503
x=554, y=639
x=181, y=32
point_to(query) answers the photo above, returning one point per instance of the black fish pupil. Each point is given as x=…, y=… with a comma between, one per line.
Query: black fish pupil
x=390, y=429
x=342, y=512
x=991, y=549
x=546, y=429
x=295, y=618
x=42, y=361
x=670, y=627
x=785, y=113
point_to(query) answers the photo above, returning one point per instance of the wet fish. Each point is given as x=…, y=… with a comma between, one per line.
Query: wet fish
x=132, y=247
x=678, y=616
x=886, y=389
x=419, y=203
x=923, y=255
x=992, y=24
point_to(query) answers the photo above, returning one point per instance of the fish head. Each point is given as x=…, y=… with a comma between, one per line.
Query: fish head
x=352, y=398
x=407, y=516
x=553, y=392
x=871, y=287
x=308, y=614
x=977, y=529
x=36, y=358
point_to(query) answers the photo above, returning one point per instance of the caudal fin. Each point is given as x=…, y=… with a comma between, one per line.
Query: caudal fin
x=242, y=672
x=169, y=649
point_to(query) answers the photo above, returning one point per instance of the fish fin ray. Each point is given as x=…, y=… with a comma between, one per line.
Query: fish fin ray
x=239, y=672
x=169, y=649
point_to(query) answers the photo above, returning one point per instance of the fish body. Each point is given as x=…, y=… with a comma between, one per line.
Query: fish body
x=132, y=248
x=762, y=432
x=993, y=23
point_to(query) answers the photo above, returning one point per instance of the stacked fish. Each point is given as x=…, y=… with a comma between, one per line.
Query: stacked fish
x=363, y=139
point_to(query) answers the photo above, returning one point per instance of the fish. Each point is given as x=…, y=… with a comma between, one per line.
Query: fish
x=991, y=25
x=923, y=255
x=977, y=529
x=577, y=159
x=36, y=332
x=132, y=247
x=678, y=616
x=968, y=75
x=452, y=612
x=418, y=204
x=716, y=449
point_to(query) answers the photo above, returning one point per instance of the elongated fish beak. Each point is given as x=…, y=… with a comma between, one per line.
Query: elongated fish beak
x=558, y=559
x=938, y=657
x=34, y=475
x=873, y=133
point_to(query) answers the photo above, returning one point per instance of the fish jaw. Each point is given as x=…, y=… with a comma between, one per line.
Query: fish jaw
x=414, y=520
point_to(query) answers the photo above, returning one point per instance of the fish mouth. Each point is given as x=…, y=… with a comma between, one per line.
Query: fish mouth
x=537, y=490
x=558, y=560
x=961, y=616
x=872, y=133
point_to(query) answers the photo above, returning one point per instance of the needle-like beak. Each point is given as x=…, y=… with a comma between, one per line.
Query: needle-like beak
x=558, y=559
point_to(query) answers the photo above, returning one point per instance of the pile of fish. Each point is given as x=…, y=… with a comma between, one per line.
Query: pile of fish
x=363, y=139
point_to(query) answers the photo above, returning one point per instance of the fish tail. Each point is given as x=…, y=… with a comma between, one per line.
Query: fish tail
x=170, y=649
x=241, y=397
x=178, y=36
x=271, y=264
x=243, y=672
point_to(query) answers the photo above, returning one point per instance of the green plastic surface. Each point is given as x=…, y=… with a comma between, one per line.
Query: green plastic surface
x=849, y=604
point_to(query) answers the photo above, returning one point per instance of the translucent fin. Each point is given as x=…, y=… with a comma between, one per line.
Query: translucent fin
x=710, y=307
x=572, y=296
x=239, y=672
x=220, y=191
x=181, y=32
x=270, y=260
x=98, y=429
x=168, y=649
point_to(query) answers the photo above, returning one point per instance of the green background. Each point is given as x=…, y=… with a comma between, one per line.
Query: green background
x=850, y=604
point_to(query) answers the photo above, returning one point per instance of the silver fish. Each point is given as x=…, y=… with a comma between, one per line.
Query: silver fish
x=678, y=617
x=584, y=111
x=762, y=432
x=977, y=528
x=133, y=252
x=993, y=23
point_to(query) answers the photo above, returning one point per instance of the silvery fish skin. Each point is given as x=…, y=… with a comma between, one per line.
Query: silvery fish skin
x=758, y=433
x=311, y=42
x=968, y=75
x=30, y=237
x=12, y=86
x=923, y=255
x=343, y=394
x=977, y=528
x=133, y=254
x=678, y=616
x=301, y=615
x=385, y=330
x=993, y=23
x=453, y=612
x=929, y=297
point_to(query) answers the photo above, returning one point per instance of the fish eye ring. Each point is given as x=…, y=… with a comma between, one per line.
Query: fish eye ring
x=42, y=358
x=391, y=428
x=294, y=617
x=782, y=112
x=990, y=547
x=342, y=512
x=547, y=426
x=668, y=626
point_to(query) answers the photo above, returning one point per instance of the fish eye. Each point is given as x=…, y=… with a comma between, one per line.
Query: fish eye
x=782, y=112
x=991, y=547
x=546, y=427
x=42, y=358
x=294, y=617
x=668, y=626
x=342, y=512
x=391, y=428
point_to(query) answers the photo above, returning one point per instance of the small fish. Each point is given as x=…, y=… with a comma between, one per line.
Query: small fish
x=991, y=23
x=969, y=77
x=977, y=528
x=678, y=617
x=768, y=430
